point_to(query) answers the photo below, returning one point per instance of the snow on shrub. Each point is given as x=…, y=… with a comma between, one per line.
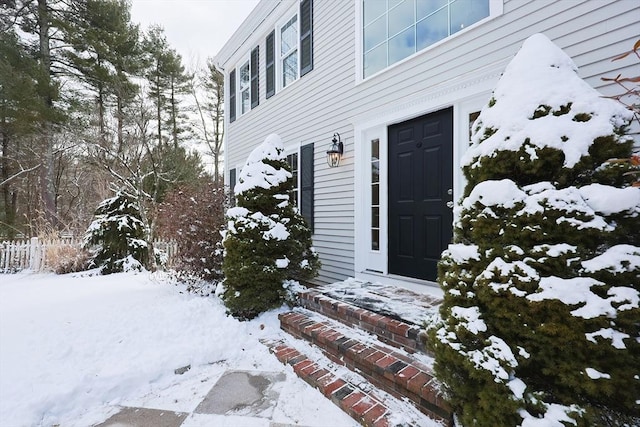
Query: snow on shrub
x=539, y=324
x=117, y=236
x=267, y=241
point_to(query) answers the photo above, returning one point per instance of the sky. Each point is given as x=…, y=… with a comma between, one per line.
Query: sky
x=197, y=29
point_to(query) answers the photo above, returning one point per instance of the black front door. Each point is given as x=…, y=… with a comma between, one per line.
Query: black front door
x=420, y=185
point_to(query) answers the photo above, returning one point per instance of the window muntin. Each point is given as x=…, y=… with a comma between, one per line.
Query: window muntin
x=395, y=29
x=244, y=86
x=289, y=51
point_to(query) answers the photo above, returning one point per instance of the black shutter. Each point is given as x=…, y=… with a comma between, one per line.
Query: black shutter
x=306, y=36
x=306, y=183
x=271, y=64
x=232, y=186
x=232, y=95
x=255, y=87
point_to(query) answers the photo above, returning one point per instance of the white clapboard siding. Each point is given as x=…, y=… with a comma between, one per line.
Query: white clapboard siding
x=331, y=98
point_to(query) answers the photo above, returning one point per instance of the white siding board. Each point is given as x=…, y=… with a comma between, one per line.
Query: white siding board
x=290, y=116
x=327, y=100
x=334, y=246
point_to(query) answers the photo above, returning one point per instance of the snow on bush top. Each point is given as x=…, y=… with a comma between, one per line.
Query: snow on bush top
x=257, y=173
x=542, y=80
x=587, y=200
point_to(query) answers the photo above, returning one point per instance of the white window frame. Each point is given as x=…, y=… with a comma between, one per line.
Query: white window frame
x=279, y=57
x=496, y=8
x=239, y=90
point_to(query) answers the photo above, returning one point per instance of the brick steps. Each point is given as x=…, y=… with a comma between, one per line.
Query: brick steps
x=364, y=404
x=387, y=368
x=394, y=332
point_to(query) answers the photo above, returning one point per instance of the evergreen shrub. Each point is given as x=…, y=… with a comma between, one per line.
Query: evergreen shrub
x=267, y=241
x=117, y=236
x=540, y=319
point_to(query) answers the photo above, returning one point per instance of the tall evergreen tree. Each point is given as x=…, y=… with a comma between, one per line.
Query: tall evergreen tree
x=167, y=83
x=37, y=20
x=105, y=53
x=169, y=167
x=21, y=109
x=207, y=88
x=542, y=283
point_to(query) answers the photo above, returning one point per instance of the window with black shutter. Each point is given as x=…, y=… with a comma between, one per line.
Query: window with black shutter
x=232, y=95
x=306, y=36
x=271, y=64
x=255, y=60
x=306, y=183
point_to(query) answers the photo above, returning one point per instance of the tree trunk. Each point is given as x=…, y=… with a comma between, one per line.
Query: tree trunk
x=174, y=119
x=120, y=119
x=8, y=196
x=158, y=105
x=100, y=101
x=47, y=190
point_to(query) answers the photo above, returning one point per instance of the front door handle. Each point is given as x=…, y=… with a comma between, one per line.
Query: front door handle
x=450, y=204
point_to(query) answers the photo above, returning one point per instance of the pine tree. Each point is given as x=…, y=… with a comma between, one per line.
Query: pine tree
x=267, y=241
x=210, y=110
x=119, y=234
x=168, y=81
x=21, y=112
x=105, y=53
x=541, y=307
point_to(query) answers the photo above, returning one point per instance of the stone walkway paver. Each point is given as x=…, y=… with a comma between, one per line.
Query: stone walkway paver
x=246, y=398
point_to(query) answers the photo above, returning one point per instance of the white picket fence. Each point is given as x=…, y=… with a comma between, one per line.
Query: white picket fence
x=31, y=254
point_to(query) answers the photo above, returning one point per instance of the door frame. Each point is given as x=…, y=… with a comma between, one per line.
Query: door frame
x=372, y=265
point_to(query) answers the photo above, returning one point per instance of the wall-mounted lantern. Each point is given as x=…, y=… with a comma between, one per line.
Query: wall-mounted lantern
x=335, y=152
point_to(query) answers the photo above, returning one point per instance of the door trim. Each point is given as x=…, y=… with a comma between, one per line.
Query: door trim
x=373, y=266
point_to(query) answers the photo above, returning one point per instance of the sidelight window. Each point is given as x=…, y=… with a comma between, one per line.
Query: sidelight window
x=375, y=195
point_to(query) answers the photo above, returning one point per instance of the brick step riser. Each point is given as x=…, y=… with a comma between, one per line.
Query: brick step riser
x=389, y=331
x=364, y=407
x=401, y=378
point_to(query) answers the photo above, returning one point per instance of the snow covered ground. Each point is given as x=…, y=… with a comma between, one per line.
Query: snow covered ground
x=75, y=347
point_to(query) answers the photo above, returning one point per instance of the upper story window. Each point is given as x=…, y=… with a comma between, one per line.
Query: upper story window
x=395, y=29
x=245, y=88
x=289, y=51
x=288, y=55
